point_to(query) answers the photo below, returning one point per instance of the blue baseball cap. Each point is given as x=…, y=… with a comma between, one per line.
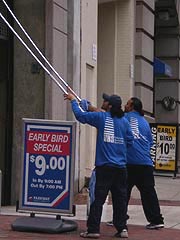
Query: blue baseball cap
x=113, y=100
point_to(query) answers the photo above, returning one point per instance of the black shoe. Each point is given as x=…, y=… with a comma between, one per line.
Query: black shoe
x=122, y=234
x=89, y=235
x=155, y=226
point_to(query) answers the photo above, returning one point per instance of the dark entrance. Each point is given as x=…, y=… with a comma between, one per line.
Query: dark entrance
x=6, y=100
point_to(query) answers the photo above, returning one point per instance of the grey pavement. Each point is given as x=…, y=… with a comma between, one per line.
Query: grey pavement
x=168, y=191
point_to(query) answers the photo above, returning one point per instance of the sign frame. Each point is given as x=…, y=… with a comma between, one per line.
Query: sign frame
x=52, y=168
x=165, y=147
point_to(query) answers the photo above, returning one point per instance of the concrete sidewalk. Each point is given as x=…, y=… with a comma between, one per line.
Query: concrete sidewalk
x=168, y=190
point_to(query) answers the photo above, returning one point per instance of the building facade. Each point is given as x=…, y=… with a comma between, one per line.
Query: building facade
x=96, y=46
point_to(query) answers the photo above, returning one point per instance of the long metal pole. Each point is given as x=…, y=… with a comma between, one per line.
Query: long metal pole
x=37, y=59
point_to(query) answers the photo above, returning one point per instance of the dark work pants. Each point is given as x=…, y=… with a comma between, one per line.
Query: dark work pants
x=142, y=177
x=109, y=179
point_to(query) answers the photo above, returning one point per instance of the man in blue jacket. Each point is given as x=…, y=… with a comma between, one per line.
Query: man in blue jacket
x=140, y=165
x=113, y=137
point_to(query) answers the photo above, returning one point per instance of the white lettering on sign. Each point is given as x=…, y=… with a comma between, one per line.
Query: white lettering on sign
x=153, y=148
x=47, y=147
x=43, y=137
x=59, y=138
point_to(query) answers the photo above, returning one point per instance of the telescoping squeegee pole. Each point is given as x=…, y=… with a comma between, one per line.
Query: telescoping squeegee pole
x=35, y=46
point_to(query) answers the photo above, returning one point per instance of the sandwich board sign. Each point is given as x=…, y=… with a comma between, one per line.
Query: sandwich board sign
x=47, y=174
x=164, y=149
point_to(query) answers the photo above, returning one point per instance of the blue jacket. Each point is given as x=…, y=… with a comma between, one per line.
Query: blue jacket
x=139, y=152
x=114, y=135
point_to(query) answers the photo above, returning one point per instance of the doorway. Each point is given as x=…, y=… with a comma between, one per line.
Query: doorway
x=6, y=100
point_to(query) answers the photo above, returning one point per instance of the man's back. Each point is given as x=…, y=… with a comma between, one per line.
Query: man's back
x=139, y=153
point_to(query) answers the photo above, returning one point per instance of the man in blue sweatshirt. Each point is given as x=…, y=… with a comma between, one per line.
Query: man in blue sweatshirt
x=140, y=165
x=113, y=137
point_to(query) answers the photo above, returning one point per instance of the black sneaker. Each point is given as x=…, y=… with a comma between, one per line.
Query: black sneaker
x=110, y=223
x=122, y=234
x=89, y=235
x=155, y=226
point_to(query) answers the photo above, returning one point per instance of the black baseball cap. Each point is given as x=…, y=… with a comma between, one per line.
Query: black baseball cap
x=113, y=100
